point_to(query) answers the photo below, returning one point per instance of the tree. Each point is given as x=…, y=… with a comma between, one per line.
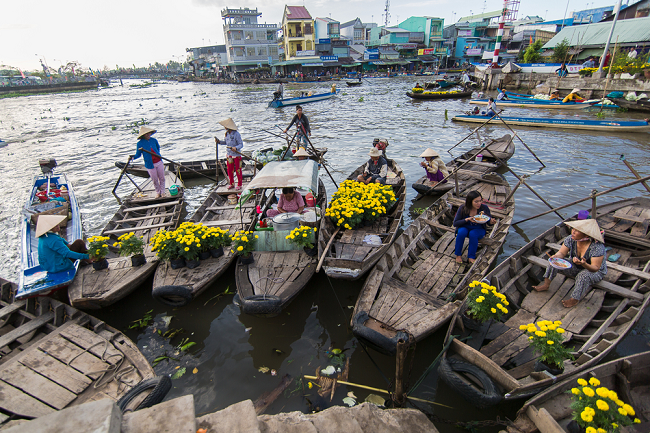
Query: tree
x=532, y=54
x=561, y=51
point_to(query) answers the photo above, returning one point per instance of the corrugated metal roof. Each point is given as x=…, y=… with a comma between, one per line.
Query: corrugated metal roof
x=589, y=35
x=297, y=13
x=481, y=16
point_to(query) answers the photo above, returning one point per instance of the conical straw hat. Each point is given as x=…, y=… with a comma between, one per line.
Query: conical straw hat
x=229, y=124
x=301, y=152
x=144, y=130
x=575, y=90
x=374, y=152
x=47, y=223
x=588, y=227
x=429, y=153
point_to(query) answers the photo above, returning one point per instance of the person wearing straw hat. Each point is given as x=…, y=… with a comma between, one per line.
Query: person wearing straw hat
x=585, y=249
x=234, y=146
x=54, y=254
x=301, y=154
x=434, y=165
x=302, y=125
x=555, y=94
x=152, y=163
x=381, y=144
x=573, y=96
x=375, y=169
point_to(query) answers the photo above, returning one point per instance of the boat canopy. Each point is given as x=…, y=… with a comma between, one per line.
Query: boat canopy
x=283, y=174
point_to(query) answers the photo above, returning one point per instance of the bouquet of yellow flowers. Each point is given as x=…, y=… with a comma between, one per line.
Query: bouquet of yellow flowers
x=484, y=302
x=302, y=236
x=184, y=242
x=598, y=409
x=243, y=242
x=215, y=238
x=130, y=244
x=98, y=247
x=547, y=338
x=355, y=202
x=417, y=90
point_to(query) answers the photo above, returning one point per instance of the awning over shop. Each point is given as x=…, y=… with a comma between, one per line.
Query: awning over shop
x=589, y=52
x=352, y=65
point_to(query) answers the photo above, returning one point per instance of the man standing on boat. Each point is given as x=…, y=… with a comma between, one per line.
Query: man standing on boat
x=152, y=163
x=278, y=93
x=302, y=124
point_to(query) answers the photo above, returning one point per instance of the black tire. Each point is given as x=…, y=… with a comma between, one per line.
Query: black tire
x=175, y=296
x=261, y=305
x=489, y=396
x=159, y=386
x=374, y=339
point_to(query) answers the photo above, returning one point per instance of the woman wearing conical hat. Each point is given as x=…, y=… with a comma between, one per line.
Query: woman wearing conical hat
x=54, y=254
x=585, y=249
x=152, y=163
x=234, y=144
x=434, y=165
x=301, y=154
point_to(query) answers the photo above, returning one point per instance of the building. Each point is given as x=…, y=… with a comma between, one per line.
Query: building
x=395, y=36
x=640, y=9
x=327, y=28
x=208, y=59
x=248, y=43
x=432, y=28
x=298, y=35
x=356, y=31
x=589, y=16
x=329, y=45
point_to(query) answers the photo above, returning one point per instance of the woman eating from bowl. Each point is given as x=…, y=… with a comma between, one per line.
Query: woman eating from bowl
x=585, y=250
x=290, y=201
x=470, y=222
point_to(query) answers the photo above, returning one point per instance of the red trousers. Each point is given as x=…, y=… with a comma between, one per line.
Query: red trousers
x=234, y=167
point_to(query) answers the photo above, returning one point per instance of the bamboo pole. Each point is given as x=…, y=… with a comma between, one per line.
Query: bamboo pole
x=643, y=179
x=316, y=153
x=522, y=141
x=634, y=172
x=400, y=395
x=180, y=165
x=322, y=259
x=471, y=133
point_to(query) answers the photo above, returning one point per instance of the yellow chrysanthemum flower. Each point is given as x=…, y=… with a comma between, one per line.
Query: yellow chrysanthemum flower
x=594, y=382
x=588, y=391
x=629, y=409
x=575, y=391
x=240, y=248
x=582, y=382
x=622, y=411
x=600, y=404
x=590, y=430
x=550, y=342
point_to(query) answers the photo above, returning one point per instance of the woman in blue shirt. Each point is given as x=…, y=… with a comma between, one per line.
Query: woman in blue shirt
x=467, y=226
x=54, y=254
x=152, y=163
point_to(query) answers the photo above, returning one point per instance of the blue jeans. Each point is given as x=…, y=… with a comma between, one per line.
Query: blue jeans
x=474, y=233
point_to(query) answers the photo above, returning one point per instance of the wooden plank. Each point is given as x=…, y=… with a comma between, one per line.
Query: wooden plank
x=494, y=371
x=579, y=316
x=445, y=278
x=25, y=329
x=36, y=385
x=15, y=401
x=377, y=304
x=227, y=207
x=512, y=349
x=148, y=217
x=361, y=253
x=419, y=295
x=93, y=343
x=543, y=420
x=622, y=214
x=554, y=309
x=411, y=305
x=65, y=351
x=151, y=206
x=225, y=222
x=56, y=371
x=389, y=300
x=429, y=266
x=6, y=311
x=522, y=317
x=369, y=291
x=153, y=226
x=500, y=342
x=348, y=251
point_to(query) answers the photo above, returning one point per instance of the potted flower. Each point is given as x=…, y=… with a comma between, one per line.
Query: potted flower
x=131, y=245
x=546, y=338
x=215, y=239
x=188, y=239
x=356, y=202
x=165, y=247
x=417, y=90
x=598, y=409
x=304, y=236
x=243, y=244
x=97, y=250
x=484, y=303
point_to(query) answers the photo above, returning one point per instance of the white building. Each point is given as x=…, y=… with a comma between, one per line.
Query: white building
x=248, y=44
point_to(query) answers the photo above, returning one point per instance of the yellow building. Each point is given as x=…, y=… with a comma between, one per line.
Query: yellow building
x=298, y=34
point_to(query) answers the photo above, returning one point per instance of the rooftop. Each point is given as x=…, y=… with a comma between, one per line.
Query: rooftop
x=483, y=16
x=297, y=13
x=588, y=35
x=241, y=11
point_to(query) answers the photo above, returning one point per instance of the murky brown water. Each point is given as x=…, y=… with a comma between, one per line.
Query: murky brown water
x=231, y=347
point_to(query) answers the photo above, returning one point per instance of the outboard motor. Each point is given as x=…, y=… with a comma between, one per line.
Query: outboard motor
x=47, y=165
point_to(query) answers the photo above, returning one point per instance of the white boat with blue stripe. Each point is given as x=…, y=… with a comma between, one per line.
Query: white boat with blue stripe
x=277, y=103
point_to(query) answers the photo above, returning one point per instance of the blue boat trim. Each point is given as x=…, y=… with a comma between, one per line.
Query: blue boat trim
x=301, y=99
x=535, y=121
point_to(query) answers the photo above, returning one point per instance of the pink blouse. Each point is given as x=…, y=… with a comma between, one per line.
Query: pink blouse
x=291, y=206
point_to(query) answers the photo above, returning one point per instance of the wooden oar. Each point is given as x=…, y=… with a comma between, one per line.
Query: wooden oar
x=322, y=258
x=180, y=165
x=119, y=179
x=316, y=152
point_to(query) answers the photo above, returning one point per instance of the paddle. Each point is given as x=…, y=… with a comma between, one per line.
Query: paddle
x=241, y=154
x=181, y=165
x=304, y=131
x=322, y=258
x=119, y=179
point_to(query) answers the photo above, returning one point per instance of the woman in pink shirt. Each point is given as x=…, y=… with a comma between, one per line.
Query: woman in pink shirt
x=290, y=201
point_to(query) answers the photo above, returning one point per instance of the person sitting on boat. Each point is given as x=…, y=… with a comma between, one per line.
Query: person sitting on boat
x=152, y=163
x=573, y=96
x=562, y=71
x=475, y=112
x=375, y=169
x=301, y=154
x=234, y=145
x=555, y=95
x=417, y=86
x=278, y=93
x=333, y=88
x=290, y=201
x=302, y=124
x=491, y=108
x=435, y=166
x=467, y=227
x=381, y=144
x=502, y=95
x=585, y=249
x=54, y=253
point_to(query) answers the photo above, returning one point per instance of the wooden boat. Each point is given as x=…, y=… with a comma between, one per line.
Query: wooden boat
x=499, y=353
x=177, y=287
x=563, y=123
x=34, y=280
x=537, y=103
x=503, y=148
x=442, y=83
x=349, y=255
x=280, y=269
x=54, y=357
x=440, y=95
x=143, y=215
x=353, y=83
x=277, y=103
x=642, y=105
x=550, y=411
x=416, y=287
x=206, y=167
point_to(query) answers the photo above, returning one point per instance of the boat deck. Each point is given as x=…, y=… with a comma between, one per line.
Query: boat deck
x=273, y=274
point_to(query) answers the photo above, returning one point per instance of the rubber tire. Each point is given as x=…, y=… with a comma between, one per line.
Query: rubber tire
x=490, y=395
x=261, y=305
x=161, y=386
x=162, y=293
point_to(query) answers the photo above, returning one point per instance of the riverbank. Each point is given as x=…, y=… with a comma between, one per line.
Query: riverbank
x=11, y=91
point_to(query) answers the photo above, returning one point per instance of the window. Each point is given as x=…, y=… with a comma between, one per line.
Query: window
x=358, y=34
x=250, y=51
x=261, y=51
x=270, y=36
x=261, y=36
x=236, y=36
x=308, y=28
x=273, y=51
x=239, y=51
x=249, y=35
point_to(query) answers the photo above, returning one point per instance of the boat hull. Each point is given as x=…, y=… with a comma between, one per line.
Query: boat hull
x=438, y=96
x=535, y=103
x=301, y=100
x=587, y=125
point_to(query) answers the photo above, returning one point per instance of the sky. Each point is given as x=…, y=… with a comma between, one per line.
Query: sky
x=142, y=32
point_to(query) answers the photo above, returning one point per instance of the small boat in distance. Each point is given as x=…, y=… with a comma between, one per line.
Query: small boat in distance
x=562, y=123
x=277, y=103
x=427, y=94
x=538, y=103
x=354, y=83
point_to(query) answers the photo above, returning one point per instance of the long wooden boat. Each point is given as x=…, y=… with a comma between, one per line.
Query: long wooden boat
x=537, y=103
x=563, y=123
x=280, y=269
x=498, y=353
x=177, y=287
x=55, y=356
x=353, y=83
x=416, y=287
x=642, y=105
x=439, y=95
x=442, y=83
x=34, y=280
x=350, y=254
x=550, y=410
x=143, y=215
x=277, y=103
x=503, y=148
x=206, y=167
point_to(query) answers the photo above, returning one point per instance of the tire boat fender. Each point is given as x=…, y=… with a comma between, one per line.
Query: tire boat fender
x=261, y=304
x=489, y=396
x=159, y=386
x=174, y=296
x=379, y=341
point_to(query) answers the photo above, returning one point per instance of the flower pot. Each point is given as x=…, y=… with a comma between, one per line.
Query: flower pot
x=311, y=252
x=553, y=369
x=138, y=260
x=218, y=252
x=247, y=260
x=574, y=427
x=470, y=323
x=203, y=255
x=191, y=264
x=646, y=73
x=177, y=263
x=100, y=264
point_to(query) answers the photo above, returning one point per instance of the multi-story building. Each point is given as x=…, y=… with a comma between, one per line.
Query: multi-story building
x=298, y=34
x=248, y=42
x=207, y=59
x=329, y=44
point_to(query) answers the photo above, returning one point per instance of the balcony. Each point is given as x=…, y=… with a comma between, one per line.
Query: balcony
x=235, y=42
x=251, y=26
x=249, y=58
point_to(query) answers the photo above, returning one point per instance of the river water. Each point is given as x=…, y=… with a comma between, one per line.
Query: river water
x=88, y=132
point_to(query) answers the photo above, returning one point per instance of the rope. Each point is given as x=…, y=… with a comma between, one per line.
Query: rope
x=272, y=279
x=430, y=368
